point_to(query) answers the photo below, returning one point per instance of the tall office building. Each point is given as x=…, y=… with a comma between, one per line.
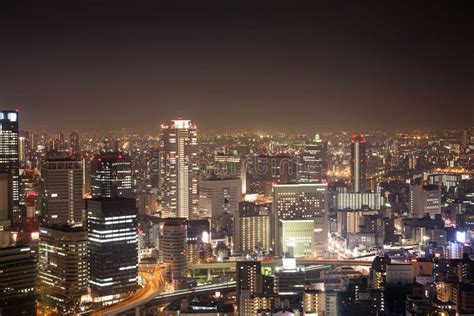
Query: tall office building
x=425, y=199
x=218, y=196
x=173, y=248
x=312, y=164
x=17, y=280
x=74, y=144
x=178, y=164
x=22, y=150
x=111, y=175
x=358, y=163
x=61, y=195
x=62, y=266
x=112, y=225
x=301, y=219
x=252, y=226
x=154, y=167
x=9, y=167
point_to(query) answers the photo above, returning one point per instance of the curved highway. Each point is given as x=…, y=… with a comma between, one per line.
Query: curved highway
x=154, y=283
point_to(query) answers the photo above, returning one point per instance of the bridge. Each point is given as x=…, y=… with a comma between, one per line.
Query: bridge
x=152, y=295
x=214, y=268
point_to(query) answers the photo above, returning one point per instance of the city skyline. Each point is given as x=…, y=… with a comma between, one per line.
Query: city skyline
x=326, y=66
x=250, y=158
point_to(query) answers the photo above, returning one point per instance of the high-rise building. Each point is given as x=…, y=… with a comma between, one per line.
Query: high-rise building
x=248, y=280
x=154, y=167
x=62, y=266
x=301, y=219
x=173, y=248
x=61, y=195
x=425, y=199
x=358, y=163
x=17, y=280
x=74, y=144
x=312, y=164
x=252, y=228
x=178, y=164
x=112, y=226
x=22, y=150
x=111, y=175
x=465, y=138
x=9, y=166
x=218, y=196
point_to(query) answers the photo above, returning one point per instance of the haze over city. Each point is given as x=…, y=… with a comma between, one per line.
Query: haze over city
x=274, y=66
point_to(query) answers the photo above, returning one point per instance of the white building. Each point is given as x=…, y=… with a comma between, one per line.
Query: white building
x=179, y=169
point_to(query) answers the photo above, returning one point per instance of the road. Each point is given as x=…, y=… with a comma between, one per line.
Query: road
x=154, y=283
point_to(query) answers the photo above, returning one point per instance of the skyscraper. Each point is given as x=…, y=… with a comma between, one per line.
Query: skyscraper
x=61, y=195
x=179, y=183
x=111, y=175
x=312, y=164
x=358, y=163
x=62, y=265
x=9, y=165
x=301, y=219
x=112, y=226
x=74, y=143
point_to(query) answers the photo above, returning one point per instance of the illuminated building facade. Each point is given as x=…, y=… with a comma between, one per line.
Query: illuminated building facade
x=74, y=143
x=62, y=266
x=112, y=226
x=248, y=280
x=314, y=302
x=178, y=164
x=357, y=201
x=111, y=175
x=358, y=163
x=312, y=164
x=301, y=219
x=61, y=195
x=252, y=226
x=9, y=167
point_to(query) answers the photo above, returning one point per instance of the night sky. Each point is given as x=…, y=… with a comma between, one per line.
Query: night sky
x=232, y=65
